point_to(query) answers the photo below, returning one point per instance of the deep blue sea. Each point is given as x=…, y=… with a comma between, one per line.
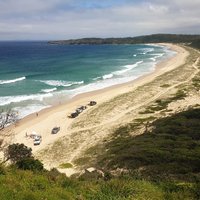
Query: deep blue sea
x=36, y=75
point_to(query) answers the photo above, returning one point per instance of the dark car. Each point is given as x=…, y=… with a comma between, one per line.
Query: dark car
x=92, y=103
x=55, y=130
x=74, y=114
x=83, y=107
x=80, y=109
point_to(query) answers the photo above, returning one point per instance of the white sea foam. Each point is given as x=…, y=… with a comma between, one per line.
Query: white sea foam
x=134, y=55
x=16, y=99
x=49, y=90
x=61, y=83
x=156, y=56
x=154, y=59
x=146, y=50
x=127, y=68
x=29, y=109
x=97, y=85
x=107, y=76
x=12, y=80
x=97, y=78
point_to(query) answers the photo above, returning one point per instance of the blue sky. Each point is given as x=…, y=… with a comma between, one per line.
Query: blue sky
x=65, y=19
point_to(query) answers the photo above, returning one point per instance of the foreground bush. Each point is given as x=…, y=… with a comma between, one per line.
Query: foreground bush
x=30, y=164
x=27, y=185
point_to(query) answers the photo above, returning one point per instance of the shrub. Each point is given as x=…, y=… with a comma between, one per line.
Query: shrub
x=170, y=149
x=65, y=165
x=30, y=164
x=54, y=175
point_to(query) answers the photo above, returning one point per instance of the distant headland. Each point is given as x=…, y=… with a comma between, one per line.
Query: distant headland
x=193, y=40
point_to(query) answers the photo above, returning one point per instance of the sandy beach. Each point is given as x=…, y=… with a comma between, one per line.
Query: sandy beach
x=93, y=118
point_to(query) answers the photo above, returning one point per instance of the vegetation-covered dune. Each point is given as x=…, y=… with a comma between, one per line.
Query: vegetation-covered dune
x=161, y=164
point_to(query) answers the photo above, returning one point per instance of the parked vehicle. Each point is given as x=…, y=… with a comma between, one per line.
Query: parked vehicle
x=79, y=110
x=37, y=140
x=83, y=107
x=55, y=130
x=92, y=103
x=74, y=114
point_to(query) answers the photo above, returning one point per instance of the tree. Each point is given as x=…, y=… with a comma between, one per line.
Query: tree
x=17, y=152
x=7, y=118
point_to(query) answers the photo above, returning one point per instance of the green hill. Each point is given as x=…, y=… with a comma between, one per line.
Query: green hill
x=156, y=38
x=161, y=164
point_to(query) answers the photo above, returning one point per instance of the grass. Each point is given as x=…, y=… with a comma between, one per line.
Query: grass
x=161, y=104
x=65, y=165
x=52, y=185
x=196, y=82
x=147, y=119
x=165, y=85
x=170, y=151
x=180, y=94
x=161, y=164
x=168, y=157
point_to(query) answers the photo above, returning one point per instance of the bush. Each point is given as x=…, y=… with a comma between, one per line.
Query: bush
x=65, y=165
x=17, y=152
x=30, y=164
x=54, y=175
x=170, y=149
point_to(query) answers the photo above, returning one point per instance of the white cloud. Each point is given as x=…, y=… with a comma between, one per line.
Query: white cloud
x=10, y=7
x=41, y=20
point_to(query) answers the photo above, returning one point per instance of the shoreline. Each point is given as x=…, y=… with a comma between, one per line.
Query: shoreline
x=57, y=115
x=108, y=88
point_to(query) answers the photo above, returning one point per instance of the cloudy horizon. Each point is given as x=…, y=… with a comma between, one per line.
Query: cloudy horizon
x=66, y=19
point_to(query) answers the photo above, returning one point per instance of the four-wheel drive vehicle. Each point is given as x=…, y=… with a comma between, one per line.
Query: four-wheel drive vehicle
x=37, y=140
x=74, y=114
x=79, y=110
x=82, y=107
x=92, y=103
x=55, y=130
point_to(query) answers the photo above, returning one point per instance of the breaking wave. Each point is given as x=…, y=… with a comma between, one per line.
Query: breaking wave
x=146, y=50
x=97, y=78
x=107, y=76
x=128, y=68
x=61, y=83
x=12, y=80
x=49, y=90
x=156, y=55
x=16, y=99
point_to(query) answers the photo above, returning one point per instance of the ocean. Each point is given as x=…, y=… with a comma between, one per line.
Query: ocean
x=37, y=75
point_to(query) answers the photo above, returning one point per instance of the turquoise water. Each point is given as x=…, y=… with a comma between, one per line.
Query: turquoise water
x=35, y=75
